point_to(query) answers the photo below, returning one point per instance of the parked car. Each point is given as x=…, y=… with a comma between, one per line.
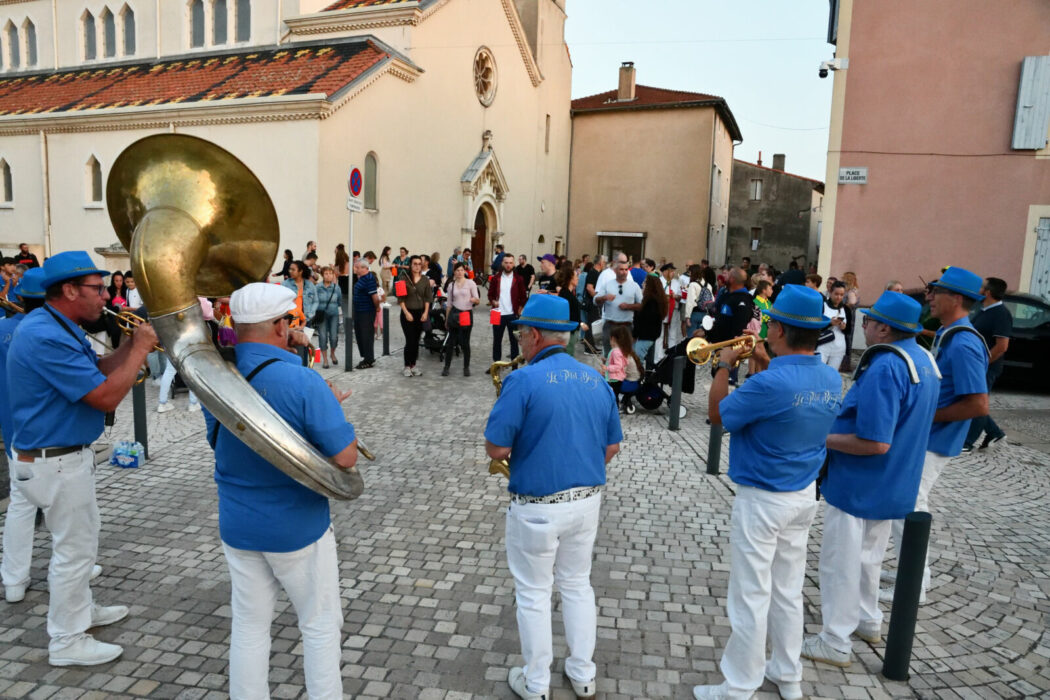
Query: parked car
x=1027, y=361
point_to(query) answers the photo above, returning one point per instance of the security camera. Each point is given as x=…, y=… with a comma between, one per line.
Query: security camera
x=833, y=64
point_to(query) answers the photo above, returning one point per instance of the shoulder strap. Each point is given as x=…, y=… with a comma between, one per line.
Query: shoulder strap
x=213, y=439
x=865, y=360
x=938, y=343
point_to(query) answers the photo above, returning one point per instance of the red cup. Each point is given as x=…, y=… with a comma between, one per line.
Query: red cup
x=465, y=318
x=495, y=317
x=317, y=355
x=400, y=288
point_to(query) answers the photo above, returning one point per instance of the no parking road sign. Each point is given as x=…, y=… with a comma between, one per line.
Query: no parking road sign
x=355, y=183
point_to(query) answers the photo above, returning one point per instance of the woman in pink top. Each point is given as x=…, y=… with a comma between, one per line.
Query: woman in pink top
x=462, y=298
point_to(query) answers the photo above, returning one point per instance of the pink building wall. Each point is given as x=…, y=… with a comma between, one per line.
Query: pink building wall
x=937, y=78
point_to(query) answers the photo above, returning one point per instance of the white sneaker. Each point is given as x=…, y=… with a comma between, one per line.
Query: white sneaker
x=583, y=689
x=107, y=615
x=789, y=690
x=96, y=571
x=816, y=649
x=407, y=372
x=886, y=596
x=711, y=692
x=869, y=632
x=164, y=408
x=888, y=576
x=14, y=594
x=417, y=372
x=516, y=681
x=85, y=650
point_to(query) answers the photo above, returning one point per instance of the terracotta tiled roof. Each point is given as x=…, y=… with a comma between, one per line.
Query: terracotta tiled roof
x=290, y=70
x=646, y=97
x=354, y=4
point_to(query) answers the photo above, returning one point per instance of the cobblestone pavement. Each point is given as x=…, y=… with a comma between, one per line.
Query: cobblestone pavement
x=429, y=603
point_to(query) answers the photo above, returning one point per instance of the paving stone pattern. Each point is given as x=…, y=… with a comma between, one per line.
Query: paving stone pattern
x=429, y=604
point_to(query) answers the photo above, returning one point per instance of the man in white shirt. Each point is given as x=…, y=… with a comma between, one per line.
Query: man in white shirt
x=831, y=353
x=671, y=334
x=621, y=297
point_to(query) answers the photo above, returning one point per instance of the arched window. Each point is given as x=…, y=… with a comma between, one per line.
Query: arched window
x=14, y=50
x=127, y=23
x=109, y=33
x=371, y=177
x=29, y=32
x=93, y=180
x=244, y=20
x=196, y=23
x=8, y=186
x=87, y=22
x=218, y=22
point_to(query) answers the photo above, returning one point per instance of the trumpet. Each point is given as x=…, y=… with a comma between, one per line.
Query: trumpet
x=700, y=352
x=502, y=466
x=11, y=306
x=128, y=321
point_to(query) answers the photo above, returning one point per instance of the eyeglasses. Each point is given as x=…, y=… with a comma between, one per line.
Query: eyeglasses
x=100, y=288
x=864, y=322
x=287, y=317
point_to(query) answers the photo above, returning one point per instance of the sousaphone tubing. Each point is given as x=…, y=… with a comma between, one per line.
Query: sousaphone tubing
x=197, y=222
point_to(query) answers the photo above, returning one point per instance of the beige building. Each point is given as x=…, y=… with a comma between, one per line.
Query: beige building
x=650, y=172
x=456, y=111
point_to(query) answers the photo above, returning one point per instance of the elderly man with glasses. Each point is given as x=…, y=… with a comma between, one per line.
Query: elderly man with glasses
x=64, y=392
x=620, y=296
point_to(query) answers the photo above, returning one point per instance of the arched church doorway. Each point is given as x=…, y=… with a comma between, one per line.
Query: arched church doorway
x=484, y=222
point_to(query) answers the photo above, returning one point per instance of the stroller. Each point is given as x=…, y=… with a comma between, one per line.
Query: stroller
x=656, y=384
x=435, y=338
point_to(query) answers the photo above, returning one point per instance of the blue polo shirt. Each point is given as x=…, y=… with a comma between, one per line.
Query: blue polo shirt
x=779, y=420
x=7, y=329
x=557, y=416
x=364, y=288
x=883, y=405
x=963, y=362
x=260, y=507
x=49, y=371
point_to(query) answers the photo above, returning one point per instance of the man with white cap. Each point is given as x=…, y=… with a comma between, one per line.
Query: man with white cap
x=876, y=450
x=557, y=422
x=276, y=533
x=64, y=392
x=778, y=420
x=962, y=358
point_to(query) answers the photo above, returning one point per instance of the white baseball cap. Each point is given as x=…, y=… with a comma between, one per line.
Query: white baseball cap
x=259, y=301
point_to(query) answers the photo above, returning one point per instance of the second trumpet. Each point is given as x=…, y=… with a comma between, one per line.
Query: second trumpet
x=701, y=352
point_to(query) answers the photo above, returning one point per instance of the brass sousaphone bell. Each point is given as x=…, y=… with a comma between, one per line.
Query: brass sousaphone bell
x=196, y=221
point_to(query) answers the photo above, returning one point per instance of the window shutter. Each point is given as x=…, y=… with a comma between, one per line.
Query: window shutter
x=1032, y=119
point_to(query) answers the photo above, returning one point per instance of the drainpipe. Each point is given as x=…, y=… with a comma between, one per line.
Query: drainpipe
x=157, y=15
x=711, y=188
x=280, y=19
x=568, y=203
x=46, y=175
x=54, y=30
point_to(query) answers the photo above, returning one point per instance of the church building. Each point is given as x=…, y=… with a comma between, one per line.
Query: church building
x=455, y=111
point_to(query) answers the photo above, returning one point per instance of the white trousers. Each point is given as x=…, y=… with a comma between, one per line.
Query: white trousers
x=550, y=545
x=768, y=536
x=850, y=561
x=310, y=577
x=165, y=384
x=931, y=471
x=19, y=526
x=64, y=488
x=831, y=354
x=672, y=333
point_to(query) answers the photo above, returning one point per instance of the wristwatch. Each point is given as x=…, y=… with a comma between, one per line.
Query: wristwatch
x=721, y=364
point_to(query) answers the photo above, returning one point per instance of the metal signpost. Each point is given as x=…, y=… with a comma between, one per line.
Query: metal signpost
x=354, y=203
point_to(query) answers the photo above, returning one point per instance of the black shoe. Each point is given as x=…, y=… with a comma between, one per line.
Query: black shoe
x=466, y=371
x=444, y=372
x=967, y=450
x=361, y=365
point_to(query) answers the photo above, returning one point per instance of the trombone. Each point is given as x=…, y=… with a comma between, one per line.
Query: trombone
x=502, y=466
x=701, y=352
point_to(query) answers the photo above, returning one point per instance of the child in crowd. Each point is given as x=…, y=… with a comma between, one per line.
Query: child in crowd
x=625, y=367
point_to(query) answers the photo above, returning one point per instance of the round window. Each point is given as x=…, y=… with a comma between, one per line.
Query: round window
x=485, y=76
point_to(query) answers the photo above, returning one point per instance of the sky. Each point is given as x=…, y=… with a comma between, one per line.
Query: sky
x=762, y=56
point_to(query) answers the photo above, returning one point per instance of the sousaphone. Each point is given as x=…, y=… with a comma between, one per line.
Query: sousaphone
x=196, y=221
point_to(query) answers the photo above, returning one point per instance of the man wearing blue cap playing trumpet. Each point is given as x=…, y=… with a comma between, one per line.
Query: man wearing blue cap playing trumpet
x=557, y=421
x=962, y=358
x=778, y=420
x=875, y=455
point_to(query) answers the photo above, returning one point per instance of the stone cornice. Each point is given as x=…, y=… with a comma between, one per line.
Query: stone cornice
x=361, y=19
x=523, y=43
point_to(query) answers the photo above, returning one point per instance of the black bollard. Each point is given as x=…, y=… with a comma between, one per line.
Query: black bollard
x=714, y=449
x=348, y=338
x=675, y=405
x=910, y=569
x=138, y=406
x=386, y=331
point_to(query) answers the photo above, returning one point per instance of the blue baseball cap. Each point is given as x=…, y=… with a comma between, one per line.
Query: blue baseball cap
x=549, y=258
x=67, y=265
x=30, y=287
x=898, y=311
x=799, y=306
x=960, y=281
x=546, y=311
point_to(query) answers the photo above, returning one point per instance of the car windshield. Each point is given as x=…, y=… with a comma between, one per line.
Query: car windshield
x=1027, y=314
